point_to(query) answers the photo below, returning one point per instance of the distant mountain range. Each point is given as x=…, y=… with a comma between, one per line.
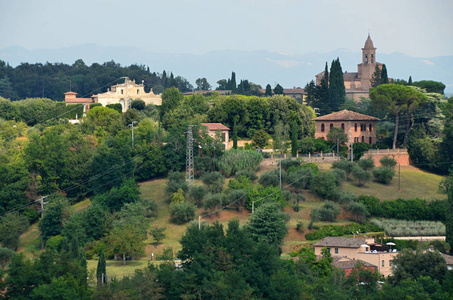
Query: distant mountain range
x=260, y=67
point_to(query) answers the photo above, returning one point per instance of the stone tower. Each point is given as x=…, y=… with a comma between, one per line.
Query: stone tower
x=368, y=65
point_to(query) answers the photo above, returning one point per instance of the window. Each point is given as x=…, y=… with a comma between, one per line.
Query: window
x=383, y=263
x=331, y=125
x=121, y=92
x=138, y=92
x=328, y=250
x=362, y=127
x=390, y=263
x=342, y=126
x=223, y=137
x=363, y=139
x=370, y=140
x=370, y=127
x=355, y=126
x=336, y=250
x=372, y=58
x=366, y=58
x=322, y=127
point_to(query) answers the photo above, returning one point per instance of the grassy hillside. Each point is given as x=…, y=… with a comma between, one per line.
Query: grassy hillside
x=414, y=183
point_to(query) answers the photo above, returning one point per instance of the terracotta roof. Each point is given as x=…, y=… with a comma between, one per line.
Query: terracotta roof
x=368, y=43
x=340, y=242
x=215, y=126
x=448, y=258
x=350, y=76
x=346, y=115
x=349, y=263
x=293, y=91
x=70, y=93
x=79, y=100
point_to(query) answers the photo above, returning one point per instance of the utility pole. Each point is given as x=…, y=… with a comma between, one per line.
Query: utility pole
x=41, y=201
x=189, y=156
x=132, y=125
x=352, y=147
x=280, y=174
x=399, y=177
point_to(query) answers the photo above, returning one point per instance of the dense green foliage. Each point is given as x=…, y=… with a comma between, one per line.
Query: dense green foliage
x=340, y=230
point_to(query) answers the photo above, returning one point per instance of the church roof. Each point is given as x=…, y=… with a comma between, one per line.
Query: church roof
x=346, y=115
x=368, y=43
x=350, y=76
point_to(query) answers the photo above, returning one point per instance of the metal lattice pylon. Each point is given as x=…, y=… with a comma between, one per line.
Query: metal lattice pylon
x=189, y=156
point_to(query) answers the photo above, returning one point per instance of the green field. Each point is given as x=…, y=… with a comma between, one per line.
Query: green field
x=414, y=183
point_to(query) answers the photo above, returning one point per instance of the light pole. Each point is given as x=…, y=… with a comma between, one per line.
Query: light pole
x=132, y=125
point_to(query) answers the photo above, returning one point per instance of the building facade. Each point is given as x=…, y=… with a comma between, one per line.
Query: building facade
x=123, y=93
x=359, y=249
x=215, y=128
x=358, y=127
x=358, y=84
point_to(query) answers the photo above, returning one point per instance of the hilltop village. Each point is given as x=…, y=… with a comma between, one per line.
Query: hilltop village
x=118, y=182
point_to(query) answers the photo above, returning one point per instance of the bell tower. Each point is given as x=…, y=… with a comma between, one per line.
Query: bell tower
x=368, y=65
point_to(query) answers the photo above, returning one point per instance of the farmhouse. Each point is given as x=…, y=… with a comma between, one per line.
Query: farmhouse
x=358, y=127
x=215, y=128
x=366, y=250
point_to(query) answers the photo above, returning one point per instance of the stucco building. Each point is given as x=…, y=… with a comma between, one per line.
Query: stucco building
x=215, y=128
x=358, y=84
x=358, y=127
x=122, y=93
x=359, y=249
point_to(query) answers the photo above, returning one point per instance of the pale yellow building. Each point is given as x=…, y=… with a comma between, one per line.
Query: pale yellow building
x=124, y=93
x=214, y=128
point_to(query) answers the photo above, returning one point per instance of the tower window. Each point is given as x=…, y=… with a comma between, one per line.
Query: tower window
x=342, y=126
x=366, y=58
x=363, y=139
x=355, y=127
x=331, y=125
x=370, y=140
x=370, y=127
x=322, y=127
x=137, y=92
x=372, y=58
x=121, y=92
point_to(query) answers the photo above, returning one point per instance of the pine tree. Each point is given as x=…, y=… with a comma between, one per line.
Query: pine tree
x=384, y=76
x=310, y=90
x=101, y=272
x=268, y=90
x=336, y=85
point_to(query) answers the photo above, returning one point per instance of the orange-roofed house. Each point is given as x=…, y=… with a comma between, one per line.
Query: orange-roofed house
x=358, y=127
x=214, y=128
x=71, y=98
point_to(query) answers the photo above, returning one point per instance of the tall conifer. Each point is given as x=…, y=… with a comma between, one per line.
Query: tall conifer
x=336, y=85
x=101, y=272
x=324, y=94
x=384, y=76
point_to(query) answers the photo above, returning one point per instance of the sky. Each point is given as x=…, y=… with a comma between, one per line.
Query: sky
x=418, y=28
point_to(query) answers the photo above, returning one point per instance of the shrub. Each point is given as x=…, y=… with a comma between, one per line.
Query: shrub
x=343, y=197
x=300, y=179
x=340, y=230
x=5, y=256
x=212, y=201
x=272, y=178
x=234, y=160
x=383, y=174
x=196, y=194
x=54, y=243
x=340, y=176
x=328, y=212
x=358, y=211
x=361, y=175
x=287, y=163
x=324, y=184
x=387, y=162
x=300, y=227
x=260, y=138
x=176, y=181
x=249, y=174
x=344, y=165
x=236, y=197
x=181, y=213
x=116, y=106
x=138, y=104
x=366, y=163
x=214, y=181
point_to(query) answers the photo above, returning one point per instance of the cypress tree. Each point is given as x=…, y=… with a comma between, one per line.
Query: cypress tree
x=409, y=82
x=278, y=90
x=233, y=82
x=376, y=78
x=310, y=90
x=323, y=94
x=164, y=80
x=336, y=85
x=101, y=269
x=384, y=77
x=268, y=90
x=294, y=132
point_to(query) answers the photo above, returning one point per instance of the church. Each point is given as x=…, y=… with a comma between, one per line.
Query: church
x=358, y=84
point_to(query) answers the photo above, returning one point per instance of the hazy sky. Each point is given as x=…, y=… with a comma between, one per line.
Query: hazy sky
x=419, y=28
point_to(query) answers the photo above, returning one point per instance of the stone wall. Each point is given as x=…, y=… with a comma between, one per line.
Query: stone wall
x=400, y=155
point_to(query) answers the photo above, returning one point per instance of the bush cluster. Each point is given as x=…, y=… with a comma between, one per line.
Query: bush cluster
x=340, y=230
x=410, y=228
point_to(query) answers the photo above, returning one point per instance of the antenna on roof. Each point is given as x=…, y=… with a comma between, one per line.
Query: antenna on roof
x=70, y=84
